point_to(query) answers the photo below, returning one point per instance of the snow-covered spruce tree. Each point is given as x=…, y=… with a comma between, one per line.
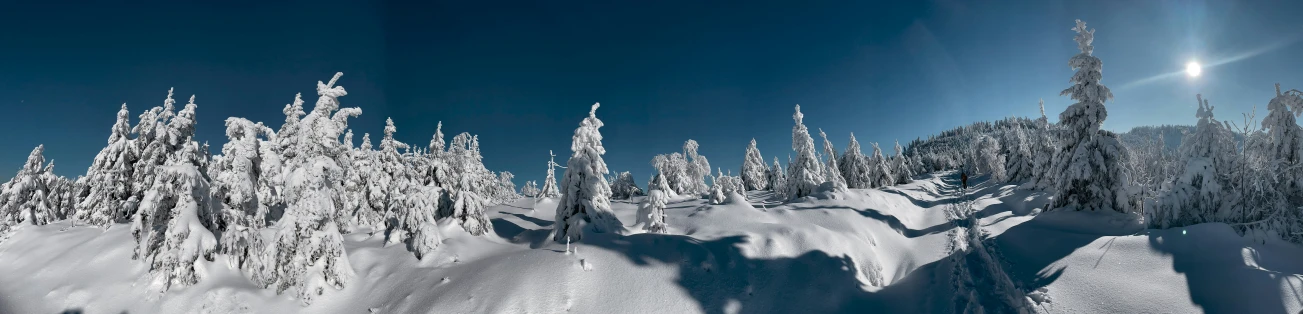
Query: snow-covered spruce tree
x=989, y=159
x=466, y=198
x=1286, y=138
x=854, y=166
x=530, y=189
x=624, y=187
x=661, y=180
x=1045, y=145
x=777, y=178
x=900, y=166
x=235, y=174
x=174, y=223
x=806, y=172
x=677, y=174
x=107, y=184
x=585, y=196
x=308, y=252
x=25, y=198
x=831, y=172
x=550, y=189
x=505, y=189
x=372, y=186
x=156, y=141
x=879, y=169
x=1198, y=194
x=394, y=179
x=753, y=169
x=1088, y=168
x=697, y=168
x=716, y=194
x=1018, y=161
x=651, y=212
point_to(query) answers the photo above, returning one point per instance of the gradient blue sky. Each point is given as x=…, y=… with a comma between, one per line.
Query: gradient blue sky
x=522, y=75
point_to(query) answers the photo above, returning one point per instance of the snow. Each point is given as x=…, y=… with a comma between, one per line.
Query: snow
x=881, y=250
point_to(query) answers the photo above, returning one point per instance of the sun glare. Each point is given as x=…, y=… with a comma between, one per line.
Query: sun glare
x=1193, y=69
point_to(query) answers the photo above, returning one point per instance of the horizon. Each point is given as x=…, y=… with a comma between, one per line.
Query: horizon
x=523, y=79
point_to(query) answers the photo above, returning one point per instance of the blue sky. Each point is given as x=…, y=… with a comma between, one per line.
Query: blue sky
x=522, y=75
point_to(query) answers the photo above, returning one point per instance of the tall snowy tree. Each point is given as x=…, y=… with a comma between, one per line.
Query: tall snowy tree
x=855, y=166
x=308, y=252
x=235, y=174
x=777, y=178
x=1197, y=195
x=879, y=169
x=25, y=198
x=550, y=189
x=1044, y=148
x=1088, y=168
x=530, y=189
x=697, y=168
x=1285, y=137
x=661, y=180
x=107, y=185
x=831, y=173
x=900, y=167
x=177, y=215
x=806, y=172
x=469, y=184
x=753, y=169
x=585, y=196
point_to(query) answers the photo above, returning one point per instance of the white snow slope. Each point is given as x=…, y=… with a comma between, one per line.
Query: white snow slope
x=879, y=251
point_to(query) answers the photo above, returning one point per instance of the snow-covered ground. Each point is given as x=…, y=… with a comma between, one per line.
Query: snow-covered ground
x=865, y=251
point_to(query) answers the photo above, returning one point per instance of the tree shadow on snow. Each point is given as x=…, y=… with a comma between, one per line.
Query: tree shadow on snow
x=516, y=234
x=536, y=221
x=1241, y=276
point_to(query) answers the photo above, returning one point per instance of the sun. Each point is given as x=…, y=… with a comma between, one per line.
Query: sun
x=1193, y=69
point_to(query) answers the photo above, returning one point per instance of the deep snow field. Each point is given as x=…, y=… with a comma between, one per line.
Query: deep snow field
x=892, y=250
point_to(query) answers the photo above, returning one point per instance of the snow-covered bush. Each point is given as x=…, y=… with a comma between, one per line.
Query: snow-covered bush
x=623, y=186
x=1088, y=168
x=753, y=169
x=806, y=173
x=585, y=195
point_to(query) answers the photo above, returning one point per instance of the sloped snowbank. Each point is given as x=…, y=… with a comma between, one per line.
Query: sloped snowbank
x=864, y=250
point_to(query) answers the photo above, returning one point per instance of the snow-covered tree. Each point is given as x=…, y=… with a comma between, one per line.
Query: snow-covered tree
x=25, y=198
x=697, y=168
x=1088, y=168
x=753, y=169
x=624, y=187
x=1285, y=137
x=806, y=172
x=1044, y=148
x=651, y=212
x=1018, y=155
x=777, y=177
x=107, y=185
x=235, y=174
x=550, y=189
x=831, y=172
x=660, y=181
x=879, y=169
x=855, y=167
x=585, y=196
x=530, y=189
x=901, y=167
x=172, y=227
x=468, y=186
x=1198, y=194
x=504, y=189
x=307, y=254
x=989, y=160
